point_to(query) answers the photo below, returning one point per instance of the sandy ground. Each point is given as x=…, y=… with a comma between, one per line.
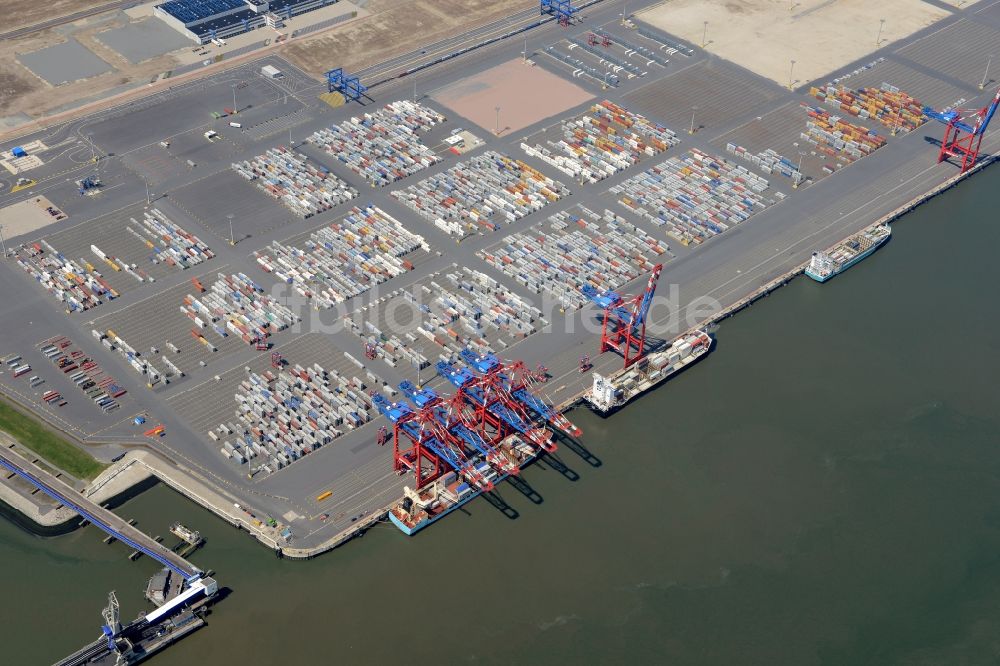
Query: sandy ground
x=21, y=92
x=26, y=216
x=21, y=13
x=525, y=95
x=396, y=27
x=819, y=35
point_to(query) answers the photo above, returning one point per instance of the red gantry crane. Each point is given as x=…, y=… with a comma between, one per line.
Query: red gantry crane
x=963, y=134
x=624, y=327
x=422, y=445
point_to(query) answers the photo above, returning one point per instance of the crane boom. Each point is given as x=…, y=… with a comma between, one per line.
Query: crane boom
x=624, y=327
x=963, y=138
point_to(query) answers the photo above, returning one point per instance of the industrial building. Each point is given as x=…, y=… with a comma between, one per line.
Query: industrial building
x=205, y=20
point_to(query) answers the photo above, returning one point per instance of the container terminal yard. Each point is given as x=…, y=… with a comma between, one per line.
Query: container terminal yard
x=405, y=274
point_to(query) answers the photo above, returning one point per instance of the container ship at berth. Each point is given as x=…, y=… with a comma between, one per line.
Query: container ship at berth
x=609, y=393
x=824, y=265
x=420, y=508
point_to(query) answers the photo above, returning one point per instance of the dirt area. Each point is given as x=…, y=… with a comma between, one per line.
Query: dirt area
x=21, y=13
x=23, y=92
x=525, y=95
x=27, y=216
x=396, y=27
x=765, y=36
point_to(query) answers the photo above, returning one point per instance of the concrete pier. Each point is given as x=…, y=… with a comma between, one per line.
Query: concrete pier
x=103, y=518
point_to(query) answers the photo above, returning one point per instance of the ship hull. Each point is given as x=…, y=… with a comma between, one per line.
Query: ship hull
x=426, y=522
x=430, y=520
x=847, y=264
x=693, y=360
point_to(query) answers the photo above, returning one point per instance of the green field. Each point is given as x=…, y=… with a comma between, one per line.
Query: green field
x=47, y=444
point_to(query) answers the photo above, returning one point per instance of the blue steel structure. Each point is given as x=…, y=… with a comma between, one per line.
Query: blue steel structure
x=464, y=379
x=348, y=85
x=513, y=379
x=954, y=143
x=561, y=9
x=451, y=415
x=192, y=11
x=429, y=449
x=189, y=576
x=624, y=328
x=211, y=19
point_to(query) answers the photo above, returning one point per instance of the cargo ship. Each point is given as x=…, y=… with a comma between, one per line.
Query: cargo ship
x=423, y=507
x=824, y=265
x=609, y=393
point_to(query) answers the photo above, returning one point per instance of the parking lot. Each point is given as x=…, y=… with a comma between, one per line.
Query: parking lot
x=212, y=402
x=157, y=320
x=708, y=95
x=413, y=328
x=211, y=200
x=163, y=117
x=123, y=238
x=577, y=247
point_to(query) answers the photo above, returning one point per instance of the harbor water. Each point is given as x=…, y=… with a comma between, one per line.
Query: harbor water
x=824, y=488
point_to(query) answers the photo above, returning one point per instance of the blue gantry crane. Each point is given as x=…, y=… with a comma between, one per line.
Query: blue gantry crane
x=493, y=406
x=514, y=378
x=963, y=134
x=350, y=86
x=421, y=444
x=563, y=10
x=624, y=327
x=451, y=415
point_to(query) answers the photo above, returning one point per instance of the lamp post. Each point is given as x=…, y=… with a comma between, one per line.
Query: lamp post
x=691, y=128
x=3, y=243
x=878, y=37
x=623, y=11
x=798, y=177
x=232, y=238
x=704, y=35
x=982, y=84
x=790, y=70
x=497, y=130
x=234, y=98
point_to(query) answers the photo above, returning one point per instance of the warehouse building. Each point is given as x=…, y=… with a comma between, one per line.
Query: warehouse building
x=205, y=20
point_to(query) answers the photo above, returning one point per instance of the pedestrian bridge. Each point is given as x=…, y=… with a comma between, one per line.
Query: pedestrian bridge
x=96, y=514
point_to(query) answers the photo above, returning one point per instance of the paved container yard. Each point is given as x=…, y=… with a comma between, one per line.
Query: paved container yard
x=345, y=258
x=643, y=203
x=713, y=92
x=156, y=321
x=124, y=238
x=413, y=328
x=779, y=130
x=970, y=44
x=64, y=63
x=213, y=199
x=575, y=247
x=162, y=116
x=144, y=39
x=933, y=91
